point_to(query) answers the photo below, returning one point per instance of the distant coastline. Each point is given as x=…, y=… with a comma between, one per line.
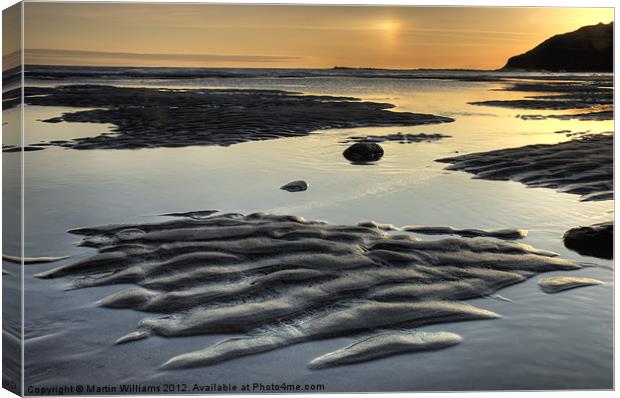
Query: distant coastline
x=58, y=72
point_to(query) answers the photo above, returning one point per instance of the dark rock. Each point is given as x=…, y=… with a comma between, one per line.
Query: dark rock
x=295, y=186
x=596, y=240
x=362, y=152
x=588, y=49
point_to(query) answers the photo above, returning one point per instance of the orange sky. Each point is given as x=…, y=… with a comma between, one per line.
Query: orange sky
x=290, y=36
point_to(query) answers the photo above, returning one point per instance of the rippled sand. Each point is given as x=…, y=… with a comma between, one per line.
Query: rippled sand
x=582, y=166
x=285, y=280
x=151, y=118
x=596, y=97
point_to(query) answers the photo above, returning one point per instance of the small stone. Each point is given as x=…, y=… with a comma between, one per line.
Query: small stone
x=295, y=186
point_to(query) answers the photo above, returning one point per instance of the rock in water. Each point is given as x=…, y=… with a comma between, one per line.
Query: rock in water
x=362, y=152
x=596, y=240
x=560, y=283
x=295, y=186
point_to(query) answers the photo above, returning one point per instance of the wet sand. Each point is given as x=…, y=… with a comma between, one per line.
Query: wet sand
x=398, y=137
x=384, y=345
x=467, y=232
x=560, y=283
x=596, y=96
x=596, y=115
x=151, y=118
x=284, y=280
x=582, y=166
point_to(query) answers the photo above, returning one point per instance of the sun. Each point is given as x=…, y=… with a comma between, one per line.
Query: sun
x=388, y=26
x=389, y=30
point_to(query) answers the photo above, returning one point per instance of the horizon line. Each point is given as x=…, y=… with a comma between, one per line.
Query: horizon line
x=335, y=67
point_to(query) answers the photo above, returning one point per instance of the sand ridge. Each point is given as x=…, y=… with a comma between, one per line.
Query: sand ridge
x=284, y=280
x=595, y=96
x=558, y=284
x=582, y=166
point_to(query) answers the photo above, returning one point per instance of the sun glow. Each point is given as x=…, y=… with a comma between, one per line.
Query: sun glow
x=389, y=30
x=388, y=26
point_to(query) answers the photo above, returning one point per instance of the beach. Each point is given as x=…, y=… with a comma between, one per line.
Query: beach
x=94, y=167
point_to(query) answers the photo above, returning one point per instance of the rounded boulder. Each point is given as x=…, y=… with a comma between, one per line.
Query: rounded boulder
x=363, y=152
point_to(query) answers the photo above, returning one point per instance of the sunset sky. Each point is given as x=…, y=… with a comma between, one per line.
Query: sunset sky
x=290, y=36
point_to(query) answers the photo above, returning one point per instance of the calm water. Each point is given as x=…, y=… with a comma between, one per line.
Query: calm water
x=542, y=341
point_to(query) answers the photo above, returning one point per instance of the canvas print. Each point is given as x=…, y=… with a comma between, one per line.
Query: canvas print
x=242, y=198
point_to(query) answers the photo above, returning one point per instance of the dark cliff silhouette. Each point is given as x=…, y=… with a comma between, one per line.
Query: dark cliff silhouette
x=588, y=49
